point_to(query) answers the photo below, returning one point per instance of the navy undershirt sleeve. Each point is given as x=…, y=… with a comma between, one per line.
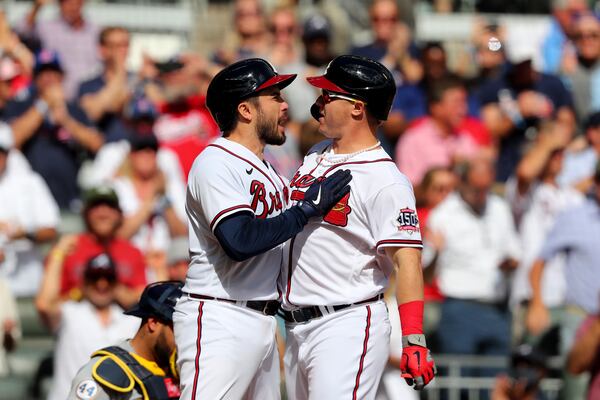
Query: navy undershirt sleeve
x=242, y=235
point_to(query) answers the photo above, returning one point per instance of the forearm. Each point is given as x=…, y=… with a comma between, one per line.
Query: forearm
x=89, y=138
x=176, y=226
x=535, y=280
x=532, y=164
x=126, y=297
x=585, y=350
x=243, y=236
x=48, y=298
x=40, y=235
x=132, y=223
x=108, y=99
x=409, y=274
x=25, y=126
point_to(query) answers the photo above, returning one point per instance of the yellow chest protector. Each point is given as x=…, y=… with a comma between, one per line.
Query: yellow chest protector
x=121, y=371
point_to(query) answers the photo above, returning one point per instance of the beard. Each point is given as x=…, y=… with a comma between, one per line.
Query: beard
x=162, y=352
x=268, y=130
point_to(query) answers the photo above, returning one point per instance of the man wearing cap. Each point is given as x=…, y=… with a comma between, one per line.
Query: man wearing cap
x=81, y=326
x=335, y=270
x=54, y=135
x=141, y=367
x=29, y=217
x=103, y=217
x=238, y=215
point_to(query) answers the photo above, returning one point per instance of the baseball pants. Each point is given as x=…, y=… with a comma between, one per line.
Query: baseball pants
x=338, y=356
x=225, y=351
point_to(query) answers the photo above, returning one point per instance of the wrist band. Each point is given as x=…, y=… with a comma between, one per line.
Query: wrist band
x=411, y=317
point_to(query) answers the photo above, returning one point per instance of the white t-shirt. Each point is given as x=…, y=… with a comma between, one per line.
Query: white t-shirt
x=227, y=178
x=546, y=202
x=79, y=335
x=25, y=201
x=340, y=258
x=154, y=234
x=474, y=248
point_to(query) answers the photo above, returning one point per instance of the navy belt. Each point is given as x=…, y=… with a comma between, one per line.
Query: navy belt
x=305, y=314
x=267, y=307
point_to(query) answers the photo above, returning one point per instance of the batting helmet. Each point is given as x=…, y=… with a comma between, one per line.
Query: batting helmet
x=238, y=82
x=360, y=78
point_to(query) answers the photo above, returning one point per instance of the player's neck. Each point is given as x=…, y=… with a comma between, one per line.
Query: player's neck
x=351, y=143
x=141, y=348
x=251, y=142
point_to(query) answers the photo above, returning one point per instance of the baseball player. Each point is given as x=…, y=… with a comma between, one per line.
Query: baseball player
x=140, y=368
x=239, y=215
x=337, y=268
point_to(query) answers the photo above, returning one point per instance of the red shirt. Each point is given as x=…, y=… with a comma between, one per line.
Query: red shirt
x=186, y=129
x=131, y=267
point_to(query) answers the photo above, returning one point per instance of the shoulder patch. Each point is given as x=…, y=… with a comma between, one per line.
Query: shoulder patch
x=86, y=389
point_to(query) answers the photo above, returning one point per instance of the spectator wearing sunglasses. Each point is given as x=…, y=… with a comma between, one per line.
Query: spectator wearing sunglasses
x=580, y=69
x=81, y=326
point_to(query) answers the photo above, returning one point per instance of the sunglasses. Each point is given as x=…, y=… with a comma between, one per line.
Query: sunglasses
x=587, y=35
x=378, y=19
x=328, y=97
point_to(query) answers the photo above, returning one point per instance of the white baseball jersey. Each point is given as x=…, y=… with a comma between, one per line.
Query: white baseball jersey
x=340, y=258
x=227, y=178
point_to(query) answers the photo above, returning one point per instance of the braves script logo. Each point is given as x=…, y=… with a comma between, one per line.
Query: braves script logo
x=338, y=214
x=269, y=201
x=408, y=221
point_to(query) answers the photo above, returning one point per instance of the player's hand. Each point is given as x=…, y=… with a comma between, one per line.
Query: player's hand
x=417, y=365
x=321, y=196
x=538, y=318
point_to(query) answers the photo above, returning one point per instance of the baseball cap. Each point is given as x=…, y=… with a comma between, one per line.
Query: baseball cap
x=47, y=60
x=158, y=300
x=140, y=107
x=171, y=65
x=101, y=195
x=100, y=266
x=593, y=120
x=316, y=26
x=6, y=137
x=143, y=141
x=8, y=69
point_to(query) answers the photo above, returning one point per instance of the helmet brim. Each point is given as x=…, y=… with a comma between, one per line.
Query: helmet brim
x=280, y=81
x=322, y=82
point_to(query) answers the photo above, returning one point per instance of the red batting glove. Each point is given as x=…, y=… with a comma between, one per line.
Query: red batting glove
x=417, y=365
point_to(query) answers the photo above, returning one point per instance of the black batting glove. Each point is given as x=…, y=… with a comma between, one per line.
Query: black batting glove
x=322, y=195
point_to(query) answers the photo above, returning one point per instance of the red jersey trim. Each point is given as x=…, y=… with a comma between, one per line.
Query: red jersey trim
x=289, y=277
x=227, y=211
x=249, y=162
x=362, y=356
x=400, y=243
x=198, y=350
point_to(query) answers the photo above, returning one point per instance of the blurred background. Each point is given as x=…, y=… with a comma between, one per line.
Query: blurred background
x=496, y=122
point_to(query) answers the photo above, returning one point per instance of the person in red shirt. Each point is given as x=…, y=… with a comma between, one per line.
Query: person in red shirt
x=102, y=217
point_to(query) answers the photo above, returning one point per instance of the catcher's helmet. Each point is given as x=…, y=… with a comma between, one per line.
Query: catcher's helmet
x=238, y=82
x=361, y=78
x=158, y=300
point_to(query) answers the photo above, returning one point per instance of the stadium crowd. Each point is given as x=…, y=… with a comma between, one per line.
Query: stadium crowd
x=503, y=156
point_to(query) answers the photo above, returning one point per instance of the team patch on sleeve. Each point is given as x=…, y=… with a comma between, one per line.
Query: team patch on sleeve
x=407, y=221
x=87, y=389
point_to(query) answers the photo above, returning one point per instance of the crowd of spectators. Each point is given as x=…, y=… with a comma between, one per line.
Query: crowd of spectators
x=504, y=161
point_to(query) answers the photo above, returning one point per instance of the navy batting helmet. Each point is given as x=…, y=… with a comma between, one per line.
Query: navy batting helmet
x=238, y=82
x=158, y=300
x=360, y=78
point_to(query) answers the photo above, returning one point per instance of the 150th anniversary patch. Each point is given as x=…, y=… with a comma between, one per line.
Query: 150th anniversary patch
x=408, y=221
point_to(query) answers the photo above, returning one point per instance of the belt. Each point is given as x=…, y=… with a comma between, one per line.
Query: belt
x=267, y=307
x=305, y=314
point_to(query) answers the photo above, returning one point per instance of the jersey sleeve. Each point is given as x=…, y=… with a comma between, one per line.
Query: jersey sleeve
x=393, y=217
x=216, y=193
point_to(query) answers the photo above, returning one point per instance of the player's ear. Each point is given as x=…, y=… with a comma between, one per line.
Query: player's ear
x=245, y=111
x=359, y=110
